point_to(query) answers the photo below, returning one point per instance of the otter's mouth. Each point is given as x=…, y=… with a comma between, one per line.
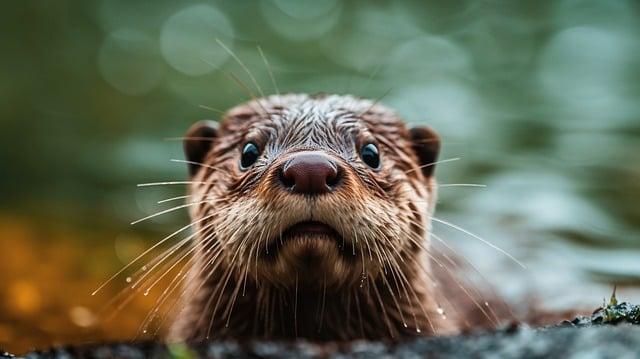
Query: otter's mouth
x=310, y=228
x=304, y=233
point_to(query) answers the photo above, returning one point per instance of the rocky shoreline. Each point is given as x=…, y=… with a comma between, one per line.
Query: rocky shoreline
x=612, y=331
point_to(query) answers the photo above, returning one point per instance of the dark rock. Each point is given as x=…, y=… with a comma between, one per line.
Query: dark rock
x=558, y=342
x=610, y=332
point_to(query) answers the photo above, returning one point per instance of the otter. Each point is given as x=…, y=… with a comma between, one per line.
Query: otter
x=312, y=221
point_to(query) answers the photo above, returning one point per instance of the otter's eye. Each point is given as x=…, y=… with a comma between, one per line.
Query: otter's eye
x=370, y=155
x=250, y=154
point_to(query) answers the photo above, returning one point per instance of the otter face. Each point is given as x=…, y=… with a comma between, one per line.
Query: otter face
x=320, y=192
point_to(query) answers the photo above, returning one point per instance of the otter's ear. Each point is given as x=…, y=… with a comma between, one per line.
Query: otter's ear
x=426, y=145
x=197, y=143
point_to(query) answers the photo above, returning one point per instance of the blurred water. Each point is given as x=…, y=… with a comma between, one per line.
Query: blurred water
x=538, y=98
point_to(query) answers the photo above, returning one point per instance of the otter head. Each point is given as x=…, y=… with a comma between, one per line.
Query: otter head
x=316, y=191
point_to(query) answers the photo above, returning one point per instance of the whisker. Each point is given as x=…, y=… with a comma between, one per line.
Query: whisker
x=269, y=70
x=395, y=299
x=125, y=292
x=147, y=252
x=414, y=238
x=224, y=285
x=449, y=271
x=180, y=197
x=157, y=261
x=433, y=164
x=168, y=291
x=195, y=163
x=387, y=321
x=442, y=185
x=238, y=82
x=404, y=278
x=118, y=298
x=374, y=103
x=324, y=297
x=361, y=321
x=170, y=210
x=185, y=255
x=173, y=199
x=473, y=287
x=234, y=296
x=451, y=275
x=480, y=239
x=461, y=185
x=373, y=74
x=213, y=109
x=426, y=140
x=166, y=294
x=295, y=309
x=244, y=67
x=210, y=246
x=247, y=90
x=150, y=184
x=182, y=138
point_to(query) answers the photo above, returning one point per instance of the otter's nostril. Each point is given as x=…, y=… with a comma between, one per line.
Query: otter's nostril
x=287, y=180
x=333, y=179
x=310, y=173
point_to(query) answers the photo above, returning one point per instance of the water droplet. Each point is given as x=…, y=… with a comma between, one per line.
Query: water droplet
x=128, y=280
x=363, y=277
x=418, y=330
x=440, y=311
x=144, y=268
x=144, y=331
x=405, y=325
x=486, y=304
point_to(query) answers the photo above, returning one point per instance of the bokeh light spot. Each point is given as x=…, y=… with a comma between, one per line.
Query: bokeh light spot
x=24, y=297
x=451, y=107
x=305, y=8
x=585, y=69
x=129, y=61
x=82, y=316
x=294, y=21
x=188, y=39
x=428, y=57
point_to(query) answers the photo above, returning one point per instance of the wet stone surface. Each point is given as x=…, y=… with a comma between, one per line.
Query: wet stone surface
x=620, y=341
x=610, y=332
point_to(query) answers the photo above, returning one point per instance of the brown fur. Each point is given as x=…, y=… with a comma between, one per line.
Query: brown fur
x=376, y=284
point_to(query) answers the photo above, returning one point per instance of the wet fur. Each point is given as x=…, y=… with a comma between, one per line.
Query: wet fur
x=377, y=284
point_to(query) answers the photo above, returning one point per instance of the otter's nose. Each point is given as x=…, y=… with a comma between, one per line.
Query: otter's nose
x=310, y=172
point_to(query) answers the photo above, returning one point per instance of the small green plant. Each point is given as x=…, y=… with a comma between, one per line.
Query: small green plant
x=181, y=351
x=614, y=312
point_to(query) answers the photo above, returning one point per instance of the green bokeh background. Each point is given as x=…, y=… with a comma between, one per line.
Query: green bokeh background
x=539, y=99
